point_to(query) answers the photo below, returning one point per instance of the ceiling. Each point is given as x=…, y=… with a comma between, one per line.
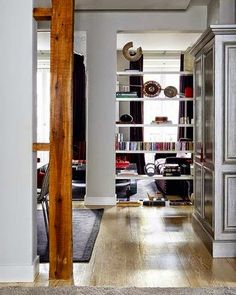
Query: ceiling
x=129, y=4
x=148, y=41
x=132, y=4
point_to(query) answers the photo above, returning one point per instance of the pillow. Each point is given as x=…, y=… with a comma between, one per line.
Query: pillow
x=40, y=176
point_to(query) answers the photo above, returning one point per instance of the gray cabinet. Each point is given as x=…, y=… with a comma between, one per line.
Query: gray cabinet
x=215, y=139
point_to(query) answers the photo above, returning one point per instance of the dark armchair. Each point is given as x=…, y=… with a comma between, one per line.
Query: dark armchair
x=43, y=197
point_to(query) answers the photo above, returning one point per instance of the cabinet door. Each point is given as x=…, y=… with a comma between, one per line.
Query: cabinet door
x=208, y=194
x=198, y=107
x=198, y=188
x=208, y=106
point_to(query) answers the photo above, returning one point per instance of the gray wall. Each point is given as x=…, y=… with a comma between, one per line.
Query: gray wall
x=18, y=261
x=221, y=12
x=213, y=12
x=227, y=12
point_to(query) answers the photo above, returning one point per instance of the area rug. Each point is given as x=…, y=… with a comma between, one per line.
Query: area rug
x=115, y=291
x=86, y=224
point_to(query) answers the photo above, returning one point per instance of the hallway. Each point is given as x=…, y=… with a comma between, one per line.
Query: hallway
x=148, y=247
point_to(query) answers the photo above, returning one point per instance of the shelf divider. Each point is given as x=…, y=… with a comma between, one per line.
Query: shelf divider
x=157, y=176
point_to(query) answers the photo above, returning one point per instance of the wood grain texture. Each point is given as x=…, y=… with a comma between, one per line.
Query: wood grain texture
x=60, y=213
x=152, y=247
x=148, y=247
x=41, y=146
x=42, y=13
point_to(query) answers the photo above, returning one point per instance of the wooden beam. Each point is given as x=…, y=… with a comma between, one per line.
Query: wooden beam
x=42, y=14
x=60, y=209
x=41, y=146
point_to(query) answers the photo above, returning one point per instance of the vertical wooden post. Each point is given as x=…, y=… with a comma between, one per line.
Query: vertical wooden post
x=60, y=212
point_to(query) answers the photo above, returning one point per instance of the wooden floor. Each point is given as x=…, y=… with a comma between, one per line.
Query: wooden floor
x=148, y=247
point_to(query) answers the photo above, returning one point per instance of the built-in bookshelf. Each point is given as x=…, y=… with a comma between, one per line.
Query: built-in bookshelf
x=134, y=147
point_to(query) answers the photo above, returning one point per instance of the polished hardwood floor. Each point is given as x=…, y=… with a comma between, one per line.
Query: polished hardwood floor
x=148, y=247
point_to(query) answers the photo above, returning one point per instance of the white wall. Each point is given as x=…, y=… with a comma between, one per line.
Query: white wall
x=227, y=12
x=18, y=260
x=221, y=12
x=213, y=12
x=101, y=29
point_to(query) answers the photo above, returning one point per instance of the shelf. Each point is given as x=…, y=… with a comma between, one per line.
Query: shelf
x=154, y=99
x=133, y=73
x=153, y=152
x=154, y=125
x=157, y=176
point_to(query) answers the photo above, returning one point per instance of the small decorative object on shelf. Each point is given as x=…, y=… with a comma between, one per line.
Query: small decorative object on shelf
x=151, y=88
x=150, y=197
x=150, y=169
x=170, y=91
x=184, y=120
x=126, y=118
x=161, y=119
x=188, y=92
x=153, y=200
x=136, y=54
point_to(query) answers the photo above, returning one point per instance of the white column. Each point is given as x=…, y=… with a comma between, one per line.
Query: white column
x=18, y=258
x=101, y=85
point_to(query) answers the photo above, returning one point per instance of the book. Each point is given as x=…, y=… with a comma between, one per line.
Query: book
x=125, y=94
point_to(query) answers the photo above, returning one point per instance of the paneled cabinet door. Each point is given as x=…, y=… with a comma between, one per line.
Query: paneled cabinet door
x=208, y=193
x=208, y=109
x=198, y=116
x=198, y=188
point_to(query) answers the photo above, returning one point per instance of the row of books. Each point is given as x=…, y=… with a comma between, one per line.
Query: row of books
x=154, y=146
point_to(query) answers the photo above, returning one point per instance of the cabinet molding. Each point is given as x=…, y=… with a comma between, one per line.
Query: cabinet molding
x=229, y=208
x=229, y=103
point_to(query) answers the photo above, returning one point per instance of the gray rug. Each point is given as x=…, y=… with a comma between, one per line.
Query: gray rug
x=86, y=224
x=115, y=291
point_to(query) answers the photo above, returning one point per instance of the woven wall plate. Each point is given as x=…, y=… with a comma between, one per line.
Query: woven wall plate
x=151, y=88
x=170, y=91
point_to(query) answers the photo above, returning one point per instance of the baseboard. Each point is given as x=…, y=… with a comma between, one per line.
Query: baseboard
x=19, y=273
x=225, y=249
x=100, y=201
x=218, y=249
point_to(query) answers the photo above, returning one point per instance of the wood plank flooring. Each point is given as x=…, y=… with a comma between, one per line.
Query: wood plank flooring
x=148, y=247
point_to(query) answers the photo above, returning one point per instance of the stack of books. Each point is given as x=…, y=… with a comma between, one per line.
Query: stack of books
x=170, y=170
x=124, y=94
x=127, y=172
